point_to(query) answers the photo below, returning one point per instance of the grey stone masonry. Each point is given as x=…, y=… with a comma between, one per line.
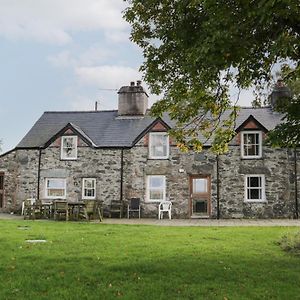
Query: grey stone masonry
x=20, y=168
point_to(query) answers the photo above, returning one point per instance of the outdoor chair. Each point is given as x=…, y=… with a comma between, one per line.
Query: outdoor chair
x=116, y=207
x=29, y=201
x=60, y=209
x=164, y=206
x=30, y=209
x=93, y=208
x=134, y=206
x=46, y=209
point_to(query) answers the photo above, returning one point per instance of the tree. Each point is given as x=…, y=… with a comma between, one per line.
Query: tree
x=287, y=134
x=195, y=50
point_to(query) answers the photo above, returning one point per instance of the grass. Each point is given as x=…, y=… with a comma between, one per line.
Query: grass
x=99, y=261
x=291, y=243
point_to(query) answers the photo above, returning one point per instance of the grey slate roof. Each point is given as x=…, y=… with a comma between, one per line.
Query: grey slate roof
x=106, y=129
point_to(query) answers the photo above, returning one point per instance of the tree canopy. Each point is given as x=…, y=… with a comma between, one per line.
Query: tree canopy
x=196, y=50
x=287, y=134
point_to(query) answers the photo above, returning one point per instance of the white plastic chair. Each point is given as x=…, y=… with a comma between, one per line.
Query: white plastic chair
x=164, y=206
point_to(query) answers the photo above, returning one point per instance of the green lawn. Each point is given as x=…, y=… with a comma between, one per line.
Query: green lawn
x=98, y=261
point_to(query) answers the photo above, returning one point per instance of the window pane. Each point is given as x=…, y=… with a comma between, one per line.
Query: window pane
x=69, y=146
x=158, y=145
x=199, y=206
x=250, y=139
x=156, y=188
x=254, y=194
x=156, y=182
x=156, y=194
x=255, y=182
x=56, y=193
x=251, y=144
x=89, y=193
x=55, y=187
x=251, y=150
x=255, y=188
x=89, y=187
x=69, y=152
x=56, y=183
x=89, y=183
x=199, y=185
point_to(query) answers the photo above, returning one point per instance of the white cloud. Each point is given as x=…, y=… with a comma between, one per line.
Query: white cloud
x=107, y=76
x=92, y=56
x=53, y=21
x=117, y=36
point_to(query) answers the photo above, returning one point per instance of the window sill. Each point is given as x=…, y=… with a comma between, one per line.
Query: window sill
x=251, y=157
x=158, y=158
x=68, y=158
x=256, y=201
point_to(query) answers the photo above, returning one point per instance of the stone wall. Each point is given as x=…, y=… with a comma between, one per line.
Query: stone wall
x=20, y=169
x=276, y=164
x=102, y=164
x=277, y=168
x=177, y=169
x=21, y=172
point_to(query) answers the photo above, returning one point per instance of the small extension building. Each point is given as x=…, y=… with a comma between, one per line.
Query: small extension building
x=125, y=153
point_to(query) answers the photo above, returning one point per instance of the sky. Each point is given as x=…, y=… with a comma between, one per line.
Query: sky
x=58, y=55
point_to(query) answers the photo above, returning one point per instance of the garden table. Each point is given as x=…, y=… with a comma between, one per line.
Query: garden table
x=75, y=208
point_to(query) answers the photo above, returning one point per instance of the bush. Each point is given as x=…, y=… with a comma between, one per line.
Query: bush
x=291, y=243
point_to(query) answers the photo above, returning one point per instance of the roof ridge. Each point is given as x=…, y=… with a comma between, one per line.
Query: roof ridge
x=78, y=111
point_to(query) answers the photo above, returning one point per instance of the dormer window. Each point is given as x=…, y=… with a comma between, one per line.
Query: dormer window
x=69, y=147
x=251, y=144
x=158, y=145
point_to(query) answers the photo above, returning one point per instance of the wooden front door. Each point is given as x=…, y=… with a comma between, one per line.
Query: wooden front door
x=1, y=189
x=200, y=204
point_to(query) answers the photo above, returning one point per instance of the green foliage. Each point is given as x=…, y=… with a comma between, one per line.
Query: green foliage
x=287, y=134
x=195, y=50
x=291, y=243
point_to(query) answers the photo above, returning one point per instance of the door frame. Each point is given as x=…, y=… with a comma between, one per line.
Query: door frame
x=207, y=194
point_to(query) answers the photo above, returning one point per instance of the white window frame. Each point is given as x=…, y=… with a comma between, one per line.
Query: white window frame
x=55, y=197
x=263, y=188
x=151, y=154
x=259, y=155
x=163, y=177
x=83, y=188
x=75, y=141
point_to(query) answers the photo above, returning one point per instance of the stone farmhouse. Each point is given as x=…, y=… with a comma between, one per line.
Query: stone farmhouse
x=120, y=154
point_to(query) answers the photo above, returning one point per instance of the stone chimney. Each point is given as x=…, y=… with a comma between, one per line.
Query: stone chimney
x=133, y=100
x=280, y=94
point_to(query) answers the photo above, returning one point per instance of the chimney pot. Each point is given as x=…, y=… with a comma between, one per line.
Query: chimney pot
x=132, y=83
x=138, y=82
x=280, y=82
